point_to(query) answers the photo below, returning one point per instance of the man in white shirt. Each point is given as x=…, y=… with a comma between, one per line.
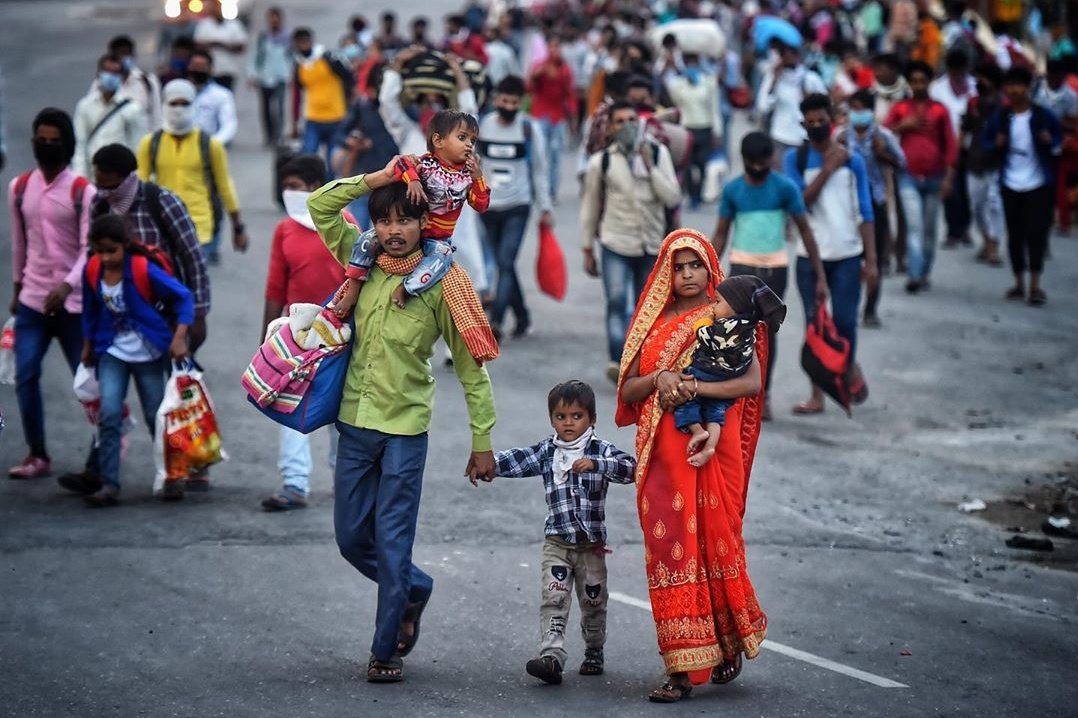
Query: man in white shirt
x=1055, y=94
x=779, y=100
x=628, y=188
x=215, y=106
x=270, y=69
x=226, y=40
x=142, y=87
x=106, y=116
x=954, y=91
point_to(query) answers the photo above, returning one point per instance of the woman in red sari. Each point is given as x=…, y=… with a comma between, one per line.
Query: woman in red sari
x=703, y=603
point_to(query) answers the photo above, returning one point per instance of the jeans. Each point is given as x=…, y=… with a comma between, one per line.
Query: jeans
x=211, y=250
x=113, y=376
x=432, y=268
x=294, y=458
x=34, y=332
x=697, y=169
x=316, y=134
x=359, y=210
x=956, y=209
x=1029, y=221
x=921, y=202
x=844, y=282
x=505, y=233
x=883, y=245
x=776, y=278
x=272, y=107
x=377, y=485
x=984, y=197
x=701, y=410
x=623, y=282
x=556, y=135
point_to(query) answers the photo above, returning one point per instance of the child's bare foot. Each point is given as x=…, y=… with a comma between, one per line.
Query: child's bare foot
x=697, y=438
x=399, y=296
x=701, y=457
x=345, y=299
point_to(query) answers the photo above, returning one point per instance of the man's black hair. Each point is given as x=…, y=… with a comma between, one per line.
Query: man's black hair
x=757, y=146
x=108, y=57
x=616, y=84
x=115, y=159
x=956, y=59
x=183, y=42
x=394, y=196
x=309, y=168
x=991, y=72
x=888, y=59
x=445, y=122
x=420, y=22
x=511, y=85
x=919, y=66
x=199, y=52
x=816, y=101
x=621, y=105
x=121, y=43
x=455, y=19
x=1055, y=66
x=572, y=392
x=302, y=33
x=389, y=16
x=55, y=117
x=1018, y=75
x=639, y=81
x=866, y=98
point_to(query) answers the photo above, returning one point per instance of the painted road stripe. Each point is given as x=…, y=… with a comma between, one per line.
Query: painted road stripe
x=788, y=651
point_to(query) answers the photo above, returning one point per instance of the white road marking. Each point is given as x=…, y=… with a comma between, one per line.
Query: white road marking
x=788, y=651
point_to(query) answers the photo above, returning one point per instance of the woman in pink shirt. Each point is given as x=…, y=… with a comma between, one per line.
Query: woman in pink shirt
x=554, y=104
x=50, y=217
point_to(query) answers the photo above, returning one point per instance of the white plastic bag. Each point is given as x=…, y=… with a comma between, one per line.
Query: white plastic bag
x=7, y=352
x=88, y=392
x=186, y=437
x=714, y=174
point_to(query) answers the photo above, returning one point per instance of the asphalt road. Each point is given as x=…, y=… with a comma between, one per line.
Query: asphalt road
x=883, y=600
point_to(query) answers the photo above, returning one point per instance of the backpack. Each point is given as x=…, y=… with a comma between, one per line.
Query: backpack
x=207, y=171
x=78, y=189
x=670, y=214
x=526, y=122
x=140, y=269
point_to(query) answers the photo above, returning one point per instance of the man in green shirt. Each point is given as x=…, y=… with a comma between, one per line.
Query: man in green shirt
x=386, y=410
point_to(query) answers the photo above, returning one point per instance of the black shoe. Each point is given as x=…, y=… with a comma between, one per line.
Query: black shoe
x=82, y=482
x=913, y=286
x=545, y=668
x=521, y=330
x=871, y=321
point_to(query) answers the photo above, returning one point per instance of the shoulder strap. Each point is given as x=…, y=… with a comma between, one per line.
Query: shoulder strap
x=93, y=271
x=151, y=193
x=802, y=159
x=140, y=271
x=108, y=116
x=207, y=176
x=20, y=192
x=78, y=189
x=155, y=147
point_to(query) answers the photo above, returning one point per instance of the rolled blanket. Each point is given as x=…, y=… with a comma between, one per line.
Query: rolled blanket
x=464, y=305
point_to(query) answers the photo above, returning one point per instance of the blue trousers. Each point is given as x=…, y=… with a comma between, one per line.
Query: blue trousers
x=505, y=233
x=34, y=333
x=844, y=283
x=113, y=375
x=623, y=282
x=432, y=268
x=377, y=485
x=317, y=134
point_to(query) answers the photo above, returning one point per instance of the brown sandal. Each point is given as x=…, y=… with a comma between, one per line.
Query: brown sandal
x=670, y=692
x=391, y=671
x=726, y=672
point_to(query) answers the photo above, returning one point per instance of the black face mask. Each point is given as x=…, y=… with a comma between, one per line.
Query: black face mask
x=820, y=133
x=50, y=155
x=198, y=78
x=757, y=173
x=507, y=115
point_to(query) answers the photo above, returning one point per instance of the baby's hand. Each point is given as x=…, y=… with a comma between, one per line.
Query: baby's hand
x=416, y=193
x=472, y=164
x=583, y=466
x=400, y=296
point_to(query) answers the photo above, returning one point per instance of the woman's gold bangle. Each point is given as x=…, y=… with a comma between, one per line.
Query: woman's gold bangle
x=655, y=379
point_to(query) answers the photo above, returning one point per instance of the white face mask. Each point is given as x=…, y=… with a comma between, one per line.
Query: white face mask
x=295, y=204
x=179, y=119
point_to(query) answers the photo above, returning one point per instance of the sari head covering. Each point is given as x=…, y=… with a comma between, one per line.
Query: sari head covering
x=702, y=600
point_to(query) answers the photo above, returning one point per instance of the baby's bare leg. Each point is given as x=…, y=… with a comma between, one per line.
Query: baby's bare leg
x=697, y=436
x=704, y=455
x=346, y=297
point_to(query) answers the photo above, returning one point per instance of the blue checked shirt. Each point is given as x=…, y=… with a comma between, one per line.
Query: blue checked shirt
x=576, y=510
x=178, y=238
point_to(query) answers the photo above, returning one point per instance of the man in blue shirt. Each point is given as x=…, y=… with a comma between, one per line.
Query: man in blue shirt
x=834, y=185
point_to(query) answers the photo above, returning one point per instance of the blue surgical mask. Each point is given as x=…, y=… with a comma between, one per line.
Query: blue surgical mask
x=127, y=63
x=693, y=75
x=861, y=118
x=109, y=81
x=351, y=51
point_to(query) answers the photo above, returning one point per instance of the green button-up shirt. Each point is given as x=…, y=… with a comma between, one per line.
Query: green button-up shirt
x=389, y=387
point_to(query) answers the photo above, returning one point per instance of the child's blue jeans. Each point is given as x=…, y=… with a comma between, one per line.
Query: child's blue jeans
x=701, y=410
x=112, y=376
x=437, y=259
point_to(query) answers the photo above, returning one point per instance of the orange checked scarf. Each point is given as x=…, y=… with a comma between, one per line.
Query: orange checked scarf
x=464, y=305
x=702, y=599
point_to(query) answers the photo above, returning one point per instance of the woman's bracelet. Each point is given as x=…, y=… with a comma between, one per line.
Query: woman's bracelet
x=655, y=379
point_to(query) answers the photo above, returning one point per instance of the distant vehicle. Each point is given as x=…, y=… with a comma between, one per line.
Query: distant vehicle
x=189, y=10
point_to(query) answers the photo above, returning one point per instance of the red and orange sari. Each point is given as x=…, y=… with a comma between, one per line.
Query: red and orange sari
x=702, y=600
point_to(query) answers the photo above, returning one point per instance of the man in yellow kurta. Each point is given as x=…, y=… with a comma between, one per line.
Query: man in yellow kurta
x=193, y=166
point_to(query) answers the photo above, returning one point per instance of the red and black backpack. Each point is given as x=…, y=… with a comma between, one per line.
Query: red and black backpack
x=140, y=268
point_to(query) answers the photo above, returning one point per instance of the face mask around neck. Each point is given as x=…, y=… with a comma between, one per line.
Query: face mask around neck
x=295, y=204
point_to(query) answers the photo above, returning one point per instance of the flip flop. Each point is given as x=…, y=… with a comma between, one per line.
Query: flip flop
x=669, y=693
x=391, y=671
x=413, y=614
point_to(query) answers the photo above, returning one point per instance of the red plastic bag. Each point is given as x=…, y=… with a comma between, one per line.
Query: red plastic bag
x=825, y=357
x=550, y=269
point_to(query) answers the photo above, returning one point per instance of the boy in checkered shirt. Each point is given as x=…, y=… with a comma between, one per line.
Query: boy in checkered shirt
x=576, y=467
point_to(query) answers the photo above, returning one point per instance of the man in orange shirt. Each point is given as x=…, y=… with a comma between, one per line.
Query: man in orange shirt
x=325, y=83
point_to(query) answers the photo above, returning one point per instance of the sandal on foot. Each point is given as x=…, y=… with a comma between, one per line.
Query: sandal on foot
x=670, y=693
x=1037, y=297
x=285, y=500
x=727, y=671
x=1015, y=294
x=545, y=668
x=413, y=614
x=391, y=671
x=592, y=665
